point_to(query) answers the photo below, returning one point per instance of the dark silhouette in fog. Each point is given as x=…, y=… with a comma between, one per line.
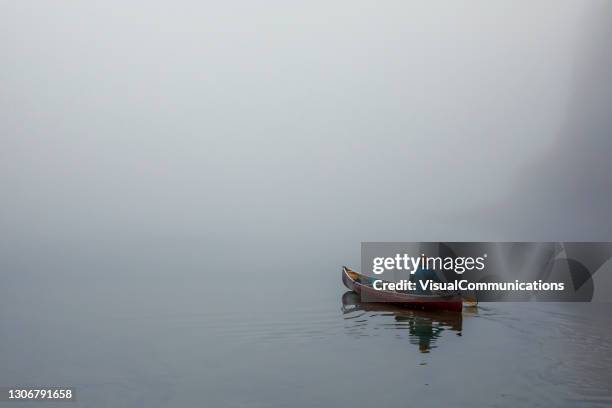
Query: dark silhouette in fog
x=568, y=191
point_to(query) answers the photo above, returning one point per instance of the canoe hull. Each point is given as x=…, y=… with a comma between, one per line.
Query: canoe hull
x=452, y=303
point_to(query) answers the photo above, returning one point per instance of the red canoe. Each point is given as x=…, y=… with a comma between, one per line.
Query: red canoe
x=358, y=284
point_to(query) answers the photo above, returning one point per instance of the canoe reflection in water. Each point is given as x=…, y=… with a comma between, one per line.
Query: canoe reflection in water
x=423, y=327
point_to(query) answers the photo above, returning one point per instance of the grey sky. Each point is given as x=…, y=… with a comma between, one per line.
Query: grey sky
x=206, y=119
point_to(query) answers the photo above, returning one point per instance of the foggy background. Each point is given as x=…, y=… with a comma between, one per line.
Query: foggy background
x=164, y=119
x=204, y=137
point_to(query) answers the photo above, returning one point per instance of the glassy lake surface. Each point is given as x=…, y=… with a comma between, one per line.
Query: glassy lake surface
x=169, y=344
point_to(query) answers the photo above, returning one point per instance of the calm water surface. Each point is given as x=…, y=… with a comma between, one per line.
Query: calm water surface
x=167, y=345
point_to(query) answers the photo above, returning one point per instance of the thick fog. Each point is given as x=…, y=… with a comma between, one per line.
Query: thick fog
x=181, y=181
x=131, y=129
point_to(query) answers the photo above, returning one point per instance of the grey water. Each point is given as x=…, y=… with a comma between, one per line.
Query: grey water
x=291, y=337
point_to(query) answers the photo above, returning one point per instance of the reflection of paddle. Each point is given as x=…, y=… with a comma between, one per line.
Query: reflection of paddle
x=469, y=300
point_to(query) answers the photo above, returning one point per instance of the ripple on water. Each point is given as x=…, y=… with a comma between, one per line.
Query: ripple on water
x=423, y=328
